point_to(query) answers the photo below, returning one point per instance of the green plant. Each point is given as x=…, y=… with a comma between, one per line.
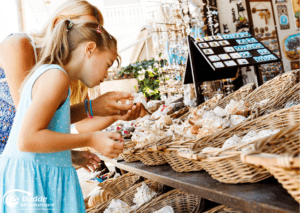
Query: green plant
x=148, y=75
x=297, y=14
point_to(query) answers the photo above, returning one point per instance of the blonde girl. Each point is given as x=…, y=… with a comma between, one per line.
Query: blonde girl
x=20, y=52
x=36, y=162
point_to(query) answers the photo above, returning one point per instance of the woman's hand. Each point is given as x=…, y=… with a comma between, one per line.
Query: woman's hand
x=85, y=159
x=136, y=112
x=106, y=105
x=109, y=144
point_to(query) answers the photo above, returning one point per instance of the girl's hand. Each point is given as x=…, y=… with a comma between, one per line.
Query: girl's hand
x=85, y=159
x=107, y=143
x=106, y=105
x=136, y=112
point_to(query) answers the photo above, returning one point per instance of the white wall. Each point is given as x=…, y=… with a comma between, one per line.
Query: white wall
x=8, y=18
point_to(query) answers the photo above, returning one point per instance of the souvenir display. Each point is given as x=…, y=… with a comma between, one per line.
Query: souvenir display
x=202, y=114
x=291, y=47
x=283, y=17
x=296, y=13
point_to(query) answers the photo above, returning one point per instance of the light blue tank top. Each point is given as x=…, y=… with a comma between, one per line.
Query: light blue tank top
x=47, y=176
x=59, y=123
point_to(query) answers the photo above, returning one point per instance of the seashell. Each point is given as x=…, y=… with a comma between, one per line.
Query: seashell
x=166, y=209
x=118, y=206
x=234, y=140
x=97, y=197
x=219, y=111
x=143, y=195
x=237, y=119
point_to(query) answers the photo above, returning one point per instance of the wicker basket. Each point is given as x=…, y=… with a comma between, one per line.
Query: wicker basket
x=272, y=90
x=222, y=209
x=285, y=168
x=238, y=95
x=180, y=201
x=291, y=94
x=128, y=195
x=211, y=103
x=178, y=163
x=121, y=184
x=225, y=165
x=179, y=113
x=152, y=154
x=127, y=155
x=116, y=186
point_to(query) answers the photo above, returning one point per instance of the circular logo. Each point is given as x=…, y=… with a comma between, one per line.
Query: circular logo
x=12, y=200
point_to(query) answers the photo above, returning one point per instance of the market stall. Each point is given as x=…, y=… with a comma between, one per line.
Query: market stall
x=223, y=115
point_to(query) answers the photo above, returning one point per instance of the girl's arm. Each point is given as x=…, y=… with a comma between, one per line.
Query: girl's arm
x=16, y=58
x=49, y=91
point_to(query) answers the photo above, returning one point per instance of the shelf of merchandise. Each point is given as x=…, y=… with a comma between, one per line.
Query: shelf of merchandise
x=267, y=196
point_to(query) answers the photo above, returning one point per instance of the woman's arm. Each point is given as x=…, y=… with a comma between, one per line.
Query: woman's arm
x=103, y=106
x=16, y=58
x=100, y=123
x=34, y=135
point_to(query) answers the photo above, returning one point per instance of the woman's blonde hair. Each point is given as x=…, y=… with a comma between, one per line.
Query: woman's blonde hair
x=60, y=45
x=72, y=9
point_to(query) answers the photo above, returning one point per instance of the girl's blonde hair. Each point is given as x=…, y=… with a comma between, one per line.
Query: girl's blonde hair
x=72, y=9
x=60, y=45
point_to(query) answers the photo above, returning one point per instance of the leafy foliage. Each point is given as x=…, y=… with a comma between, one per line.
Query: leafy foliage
x=148, y=75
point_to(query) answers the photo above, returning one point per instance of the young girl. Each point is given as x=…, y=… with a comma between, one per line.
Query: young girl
x=36, y=174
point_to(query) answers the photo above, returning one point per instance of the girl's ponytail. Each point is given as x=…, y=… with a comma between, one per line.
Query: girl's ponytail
x=57, y=49
x=65, y=39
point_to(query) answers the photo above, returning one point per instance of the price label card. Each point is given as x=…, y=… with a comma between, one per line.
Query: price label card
x=224, y=56
x=199, y=39
x=218, y=37
x=224, y=43
x=214, y=58
x=229, y=49
x=203, y=45
x=208, y=38
x=242, y=61
x=219, y=65
x=230, y=63
x=208, y=51
x=235, y=55
x=214, y=44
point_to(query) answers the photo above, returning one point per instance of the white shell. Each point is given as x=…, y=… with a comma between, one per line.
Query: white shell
x=219, y=111
x=143, y=195
x=234, y=140
x=237, y=119
x=166, y=209
x=118, y=206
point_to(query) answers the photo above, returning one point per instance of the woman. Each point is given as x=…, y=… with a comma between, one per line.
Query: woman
x=20, y=52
